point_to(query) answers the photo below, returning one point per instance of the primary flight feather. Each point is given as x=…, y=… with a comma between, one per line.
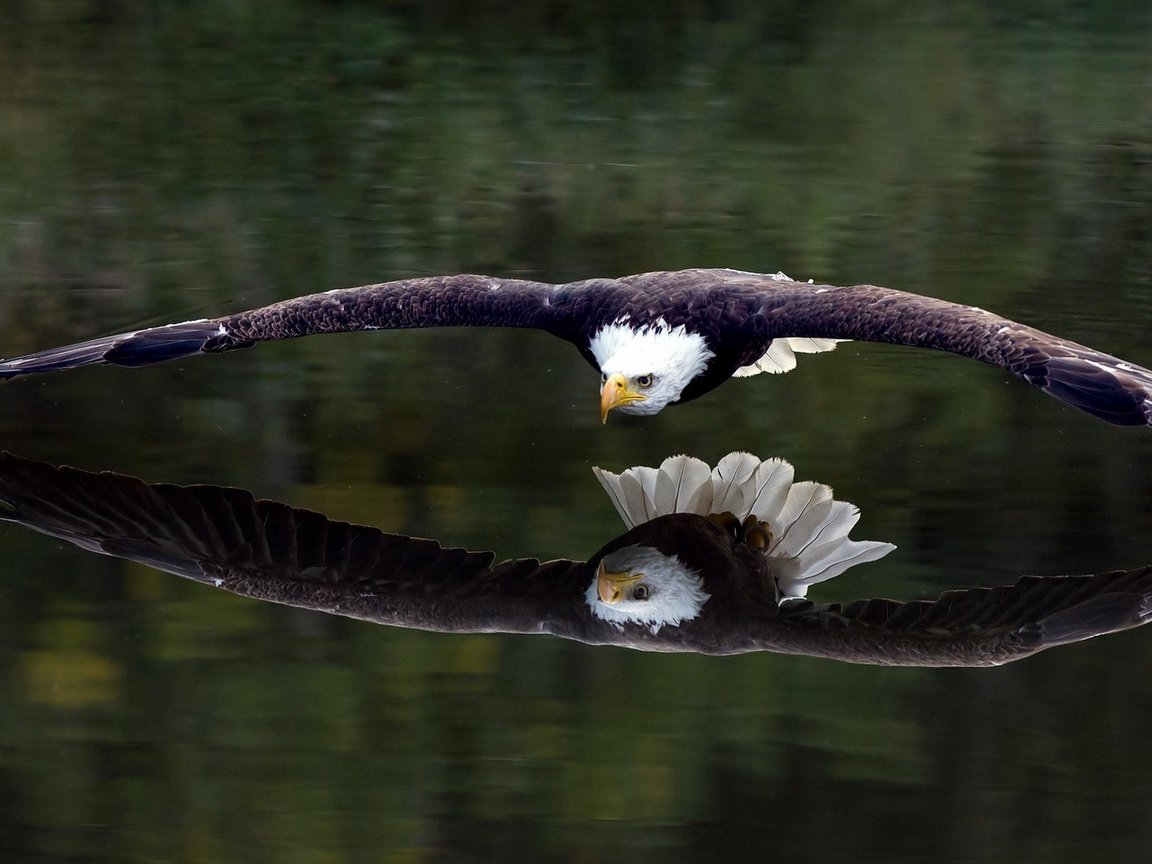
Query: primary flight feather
x=655, y=338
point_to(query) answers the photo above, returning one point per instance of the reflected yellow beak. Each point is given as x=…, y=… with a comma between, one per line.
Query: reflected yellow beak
x=609, y=585
x=615, y=393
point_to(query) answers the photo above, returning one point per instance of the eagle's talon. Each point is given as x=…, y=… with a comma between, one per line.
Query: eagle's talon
x=728, y=521
x=757, y=534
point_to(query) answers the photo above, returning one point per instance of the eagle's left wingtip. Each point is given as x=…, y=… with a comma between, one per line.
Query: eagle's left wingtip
x=1109, y=389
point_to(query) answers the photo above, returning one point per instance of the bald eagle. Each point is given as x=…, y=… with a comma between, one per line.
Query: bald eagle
x=721, y=583
x=655, y=338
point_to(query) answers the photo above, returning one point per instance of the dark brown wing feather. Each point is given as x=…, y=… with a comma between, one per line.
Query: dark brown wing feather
x=464, y=300
x=270, y=551
x=976, y=626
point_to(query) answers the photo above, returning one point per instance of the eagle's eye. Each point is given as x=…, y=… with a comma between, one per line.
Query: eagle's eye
x=644, y=381
x=603, y=377
x=640, y=592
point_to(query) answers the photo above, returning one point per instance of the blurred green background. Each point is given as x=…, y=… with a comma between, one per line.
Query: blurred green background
x=167, y=160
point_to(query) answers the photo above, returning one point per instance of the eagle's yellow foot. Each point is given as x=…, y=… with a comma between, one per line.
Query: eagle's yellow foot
x=757, y=534
x=726, y=520
x=752, y=531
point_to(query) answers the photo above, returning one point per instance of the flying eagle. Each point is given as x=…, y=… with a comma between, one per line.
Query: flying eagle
x=721, y=583
x=655, y=338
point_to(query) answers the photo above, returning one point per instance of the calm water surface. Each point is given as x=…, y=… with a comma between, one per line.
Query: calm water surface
x=185, y=162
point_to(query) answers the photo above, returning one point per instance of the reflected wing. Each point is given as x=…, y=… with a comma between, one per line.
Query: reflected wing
x=976, y=626
x=270, y=551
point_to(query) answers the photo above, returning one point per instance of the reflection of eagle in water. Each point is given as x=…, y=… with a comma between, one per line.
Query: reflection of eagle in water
x=656, y=338
x=681, y=581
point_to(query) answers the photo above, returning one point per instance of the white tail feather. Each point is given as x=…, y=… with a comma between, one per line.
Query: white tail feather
x=612, y=485
x=772, y=484
x=639, y=502
x=781, y=355
x=802, y=497
x=729, y=481
x=804, y=345
x=679, y=482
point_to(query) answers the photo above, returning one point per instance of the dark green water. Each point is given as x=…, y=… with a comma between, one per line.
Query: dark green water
x=165, y=161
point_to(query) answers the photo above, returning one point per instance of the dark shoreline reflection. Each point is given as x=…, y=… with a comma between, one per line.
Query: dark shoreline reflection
x=266, y=550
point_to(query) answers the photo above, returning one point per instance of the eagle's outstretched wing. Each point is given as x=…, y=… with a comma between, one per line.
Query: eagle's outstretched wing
x=1101, y=385
x=464, y=300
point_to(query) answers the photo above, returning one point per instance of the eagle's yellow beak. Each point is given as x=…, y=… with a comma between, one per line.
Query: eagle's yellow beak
x=615, y=393
x=609, y=585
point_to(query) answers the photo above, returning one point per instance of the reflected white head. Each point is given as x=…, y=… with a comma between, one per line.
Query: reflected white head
x=643, y=369
x=640, y=585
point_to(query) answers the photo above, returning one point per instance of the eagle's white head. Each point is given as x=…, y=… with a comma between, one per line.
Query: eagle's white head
x=642, y=369
x=641, y=585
